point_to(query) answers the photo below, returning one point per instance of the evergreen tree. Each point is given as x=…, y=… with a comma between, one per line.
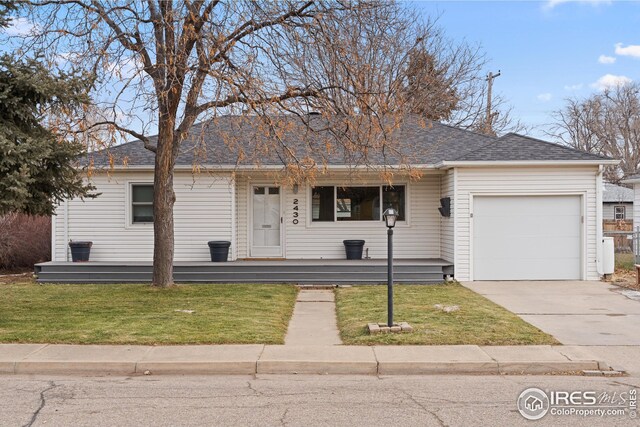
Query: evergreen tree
x=37, y=160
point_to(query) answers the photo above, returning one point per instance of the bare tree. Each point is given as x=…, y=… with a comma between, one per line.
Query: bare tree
x=162, y=65
x=445, y=81
x=606, y=123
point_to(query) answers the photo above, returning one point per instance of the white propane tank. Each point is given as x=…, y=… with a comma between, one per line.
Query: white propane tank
x=608, y=255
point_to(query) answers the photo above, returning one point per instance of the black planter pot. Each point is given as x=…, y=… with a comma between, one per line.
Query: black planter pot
x=219, y=250
x=80, y=251
x=353, y=248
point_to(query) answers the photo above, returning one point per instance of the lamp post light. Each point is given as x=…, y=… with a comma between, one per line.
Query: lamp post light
x=390, y=216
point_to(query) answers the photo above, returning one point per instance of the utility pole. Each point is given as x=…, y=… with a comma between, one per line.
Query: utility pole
x=489, y=115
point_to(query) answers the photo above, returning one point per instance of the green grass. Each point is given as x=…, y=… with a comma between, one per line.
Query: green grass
x=625, y=261
x=140, y=314
x=479, y=321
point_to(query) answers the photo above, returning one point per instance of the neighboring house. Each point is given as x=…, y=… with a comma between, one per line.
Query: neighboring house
x=617, y=203
x=521, y=208
x=635, y=182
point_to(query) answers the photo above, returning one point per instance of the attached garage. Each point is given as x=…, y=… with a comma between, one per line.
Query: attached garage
x=527, y=237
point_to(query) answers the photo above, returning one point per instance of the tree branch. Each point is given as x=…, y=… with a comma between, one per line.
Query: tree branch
x=141, y=137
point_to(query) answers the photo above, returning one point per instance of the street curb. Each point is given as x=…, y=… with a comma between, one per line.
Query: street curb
x=274, y=359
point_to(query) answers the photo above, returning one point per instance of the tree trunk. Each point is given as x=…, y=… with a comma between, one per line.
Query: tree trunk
x=163, y=200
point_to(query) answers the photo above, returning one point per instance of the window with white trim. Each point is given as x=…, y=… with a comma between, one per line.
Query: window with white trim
x=356, y=203
x=141, y=203
x=619, y=212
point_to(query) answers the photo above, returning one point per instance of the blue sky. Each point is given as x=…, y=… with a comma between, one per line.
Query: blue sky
x=547, y=50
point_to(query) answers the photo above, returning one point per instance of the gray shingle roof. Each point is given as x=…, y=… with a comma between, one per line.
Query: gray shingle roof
x=616, y=194
x=231, y=140
x=515, y=147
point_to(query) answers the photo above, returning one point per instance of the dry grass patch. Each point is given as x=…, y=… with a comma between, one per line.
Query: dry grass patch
x=140, y=314
x=478, y=320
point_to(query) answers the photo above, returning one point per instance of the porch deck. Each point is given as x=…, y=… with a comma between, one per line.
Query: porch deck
x=313, y=271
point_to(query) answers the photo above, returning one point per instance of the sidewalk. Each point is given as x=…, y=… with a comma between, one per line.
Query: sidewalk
x=279, y=359
x=314, y=319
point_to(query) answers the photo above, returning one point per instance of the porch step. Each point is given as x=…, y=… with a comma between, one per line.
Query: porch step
x=245, y=272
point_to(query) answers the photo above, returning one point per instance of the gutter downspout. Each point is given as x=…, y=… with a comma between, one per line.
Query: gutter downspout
x=599, y=235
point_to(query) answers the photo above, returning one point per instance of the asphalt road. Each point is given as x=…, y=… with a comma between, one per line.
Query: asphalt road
x=290, y=400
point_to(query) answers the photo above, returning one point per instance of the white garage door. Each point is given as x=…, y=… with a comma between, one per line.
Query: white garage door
x=527, y=238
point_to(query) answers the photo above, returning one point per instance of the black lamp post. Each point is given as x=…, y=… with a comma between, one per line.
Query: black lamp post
x=390, y=217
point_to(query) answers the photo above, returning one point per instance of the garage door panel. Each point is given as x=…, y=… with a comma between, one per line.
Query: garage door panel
x=529, y=247
x=527, y=237
x=527, y=226
x=515, y=220
x=530, y=270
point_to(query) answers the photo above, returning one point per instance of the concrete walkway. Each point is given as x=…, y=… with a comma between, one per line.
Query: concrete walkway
x=314, y=320
x=286, y=359
x=574, y=312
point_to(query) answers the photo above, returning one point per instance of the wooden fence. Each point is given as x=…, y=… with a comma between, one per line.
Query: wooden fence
x=622, y=233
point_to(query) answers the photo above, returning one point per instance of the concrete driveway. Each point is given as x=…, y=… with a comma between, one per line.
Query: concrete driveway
x=574, y=312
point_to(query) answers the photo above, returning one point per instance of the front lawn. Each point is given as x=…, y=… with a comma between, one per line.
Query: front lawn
x=478, y=320
x=140, y=314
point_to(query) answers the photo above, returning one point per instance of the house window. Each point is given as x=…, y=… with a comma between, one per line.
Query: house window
x=393, y=197
x=141, y=203
x=322, y=206
x=366, y=203
x=619, y=212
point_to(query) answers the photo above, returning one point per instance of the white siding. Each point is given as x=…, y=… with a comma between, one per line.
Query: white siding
x=418, y=238
x=523, y=181
x=447, y=245
x=636, y=203
x=608, y=211
x=59, y=248
x=203, y=212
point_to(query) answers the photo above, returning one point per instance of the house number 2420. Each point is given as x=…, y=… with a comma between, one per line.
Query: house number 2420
x=296, y=209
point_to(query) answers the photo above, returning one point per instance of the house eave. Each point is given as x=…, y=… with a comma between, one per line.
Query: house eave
x=236, y=168
x=451, y=164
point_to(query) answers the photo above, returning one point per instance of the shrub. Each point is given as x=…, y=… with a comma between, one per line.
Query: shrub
x=24, y=240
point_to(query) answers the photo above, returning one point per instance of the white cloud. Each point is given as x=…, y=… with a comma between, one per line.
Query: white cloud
x=574, y=87
x=125, y=68
x=604, y=59
x=544, y=97
x=630, y=50
x=550, y=4
x=19, y=27
x=609, y=81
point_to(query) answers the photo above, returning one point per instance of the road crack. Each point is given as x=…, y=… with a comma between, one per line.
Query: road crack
x=283, y=417
x=255, y=391
x=434, y=414
x=43, y=402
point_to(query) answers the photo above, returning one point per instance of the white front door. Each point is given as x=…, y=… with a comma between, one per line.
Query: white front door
x=266, y=239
